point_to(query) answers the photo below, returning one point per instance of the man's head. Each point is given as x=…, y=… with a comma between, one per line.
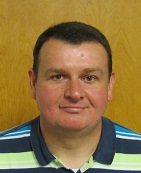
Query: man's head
x=74, y=82
x=74, y=33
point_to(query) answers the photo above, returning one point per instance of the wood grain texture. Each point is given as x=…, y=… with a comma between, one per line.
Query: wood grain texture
x=21, y=22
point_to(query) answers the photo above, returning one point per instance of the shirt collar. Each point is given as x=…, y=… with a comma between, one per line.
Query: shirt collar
x=104, y=153
x=106, y=149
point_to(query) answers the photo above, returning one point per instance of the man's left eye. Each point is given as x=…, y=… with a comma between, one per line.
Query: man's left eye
x=90, y=78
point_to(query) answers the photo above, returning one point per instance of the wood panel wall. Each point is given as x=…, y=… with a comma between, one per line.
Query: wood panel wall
x=21, y=21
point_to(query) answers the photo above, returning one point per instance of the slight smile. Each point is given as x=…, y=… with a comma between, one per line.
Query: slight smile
x=72, y=109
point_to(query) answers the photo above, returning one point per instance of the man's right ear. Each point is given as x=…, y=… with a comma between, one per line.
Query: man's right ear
x=32, y=79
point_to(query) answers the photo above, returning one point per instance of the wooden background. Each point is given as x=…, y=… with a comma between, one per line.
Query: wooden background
x=21, y=21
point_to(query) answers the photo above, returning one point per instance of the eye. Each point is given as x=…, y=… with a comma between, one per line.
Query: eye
x=90, y=78
x=57, y=77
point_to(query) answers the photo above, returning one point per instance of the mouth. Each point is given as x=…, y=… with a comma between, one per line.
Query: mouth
x=72, y=109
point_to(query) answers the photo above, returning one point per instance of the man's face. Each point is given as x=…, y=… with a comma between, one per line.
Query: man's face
x=73, y=86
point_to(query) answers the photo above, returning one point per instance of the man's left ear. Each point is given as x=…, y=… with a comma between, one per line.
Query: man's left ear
x=111, y=85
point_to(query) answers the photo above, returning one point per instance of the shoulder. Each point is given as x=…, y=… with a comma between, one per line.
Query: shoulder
x=17, y=131
x=127, y=141
x=16, y=139
x=125, y=133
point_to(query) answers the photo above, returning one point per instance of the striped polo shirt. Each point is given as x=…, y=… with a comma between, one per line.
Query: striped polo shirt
x=23, y=150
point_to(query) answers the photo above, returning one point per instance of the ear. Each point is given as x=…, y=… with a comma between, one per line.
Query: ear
x=111, y=85
x=32, y=79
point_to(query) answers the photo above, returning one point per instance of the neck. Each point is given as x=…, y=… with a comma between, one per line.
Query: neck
x=79, y=146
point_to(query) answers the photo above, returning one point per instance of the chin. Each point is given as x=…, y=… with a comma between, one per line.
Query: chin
x=73, y=126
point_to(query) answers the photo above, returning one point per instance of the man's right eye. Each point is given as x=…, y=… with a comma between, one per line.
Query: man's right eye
x=57, y=77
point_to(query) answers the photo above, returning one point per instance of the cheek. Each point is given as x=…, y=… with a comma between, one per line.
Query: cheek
x=99, y=98
x=46, y=97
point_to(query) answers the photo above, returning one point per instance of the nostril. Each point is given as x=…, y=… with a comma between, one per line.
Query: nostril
x=74, y=95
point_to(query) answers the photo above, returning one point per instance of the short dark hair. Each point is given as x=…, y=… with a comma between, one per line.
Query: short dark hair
x=74, y=33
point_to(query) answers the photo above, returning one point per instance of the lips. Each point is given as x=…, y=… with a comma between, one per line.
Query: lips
x=72, y=109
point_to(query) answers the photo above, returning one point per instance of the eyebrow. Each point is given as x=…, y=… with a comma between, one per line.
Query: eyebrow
x=93, y=70
x=55, y=70
x=90, y=70
x=62, y=71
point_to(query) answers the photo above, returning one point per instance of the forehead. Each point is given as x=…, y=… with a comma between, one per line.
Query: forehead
x=58, y=52
x=54, y=44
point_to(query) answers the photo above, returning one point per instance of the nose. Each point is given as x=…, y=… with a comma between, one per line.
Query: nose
x=74, y=91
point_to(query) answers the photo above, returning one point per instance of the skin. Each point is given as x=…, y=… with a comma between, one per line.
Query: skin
x=72, y=90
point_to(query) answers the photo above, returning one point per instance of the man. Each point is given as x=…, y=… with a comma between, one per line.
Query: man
x=72, y=82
